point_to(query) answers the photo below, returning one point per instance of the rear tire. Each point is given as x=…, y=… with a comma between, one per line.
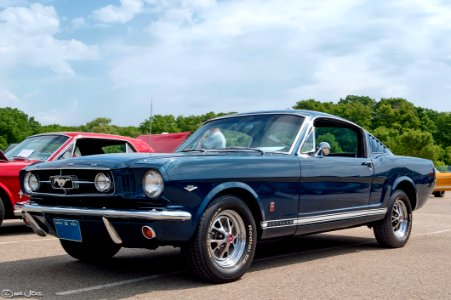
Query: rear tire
x=439, y=194
x=89, y=252
x=394, y=230
x=224, y=245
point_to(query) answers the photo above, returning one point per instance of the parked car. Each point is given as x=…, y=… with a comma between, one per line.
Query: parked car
x=164, y=142
x=442, y=183
x=50, y=147
x=235, y=181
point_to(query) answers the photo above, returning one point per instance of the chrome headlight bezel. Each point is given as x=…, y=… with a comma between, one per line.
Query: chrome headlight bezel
x=30, y=183
x=103, y=182
x=153, y=184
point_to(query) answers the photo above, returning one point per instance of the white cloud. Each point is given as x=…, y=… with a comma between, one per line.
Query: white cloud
x=78, y=23
x=28, y=38
x=119, y=14
x=272, y=52
x=8, y=98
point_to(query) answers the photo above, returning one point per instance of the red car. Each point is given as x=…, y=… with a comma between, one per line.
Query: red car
x=165, y=142
x=54, y=146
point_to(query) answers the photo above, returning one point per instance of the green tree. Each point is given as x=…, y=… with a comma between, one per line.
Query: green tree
x=443, y=132
x=3, y=143
x=100, y=125
x=364, y=100
x=312, y=104
x=15, y=125
x=160, y=124
x=396, y=113
x=418, y=143
x=130, y=131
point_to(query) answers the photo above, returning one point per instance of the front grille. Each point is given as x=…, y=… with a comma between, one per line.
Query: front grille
x=70, y=182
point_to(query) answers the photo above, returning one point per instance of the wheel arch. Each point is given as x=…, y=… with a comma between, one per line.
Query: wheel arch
x=240, y=190
x=6, y=198
x=407, y=185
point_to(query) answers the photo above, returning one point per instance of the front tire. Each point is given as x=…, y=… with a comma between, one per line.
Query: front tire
x=89, y=252
x=224, y=245
x=394, y=230
x=2, y=211
x=439, y=194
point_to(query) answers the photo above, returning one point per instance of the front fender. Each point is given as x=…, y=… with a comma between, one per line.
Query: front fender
x=4, y=189
x=220, y=189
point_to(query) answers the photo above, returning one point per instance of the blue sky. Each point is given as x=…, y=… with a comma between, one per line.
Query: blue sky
x=68, y=62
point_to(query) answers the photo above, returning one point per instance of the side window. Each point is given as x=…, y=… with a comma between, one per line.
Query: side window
x=309, y=144
x=376, y=146
x=68, y=152
x=345, y=140
x=119, y=148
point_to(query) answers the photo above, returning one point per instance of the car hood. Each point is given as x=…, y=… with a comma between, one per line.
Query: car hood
x=120, y=161
x=108, y=161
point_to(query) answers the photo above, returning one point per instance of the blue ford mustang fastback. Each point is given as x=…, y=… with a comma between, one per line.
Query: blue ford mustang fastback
x=235, y=181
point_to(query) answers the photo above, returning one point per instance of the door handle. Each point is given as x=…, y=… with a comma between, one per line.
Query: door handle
x=369, y=164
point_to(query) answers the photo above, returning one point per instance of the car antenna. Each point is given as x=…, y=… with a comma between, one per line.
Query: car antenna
x=150, y=122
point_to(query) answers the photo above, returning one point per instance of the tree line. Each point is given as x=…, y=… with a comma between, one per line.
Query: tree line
x=405, y=128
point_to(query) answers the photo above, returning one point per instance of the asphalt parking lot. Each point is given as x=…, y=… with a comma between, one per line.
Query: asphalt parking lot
x=345, y=264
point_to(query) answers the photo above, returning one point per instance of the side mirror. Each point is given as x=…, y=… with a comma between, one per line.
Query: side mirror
x=2, y=156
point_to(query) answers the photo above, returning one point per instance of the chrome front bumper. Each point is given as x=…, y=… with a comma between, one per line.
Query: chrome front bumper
x=105, y=214
x=151, y=215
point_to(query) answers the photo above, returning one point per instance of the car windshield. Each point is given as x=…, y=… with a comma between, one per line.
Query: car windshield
x=269, y=133
x=37, y=147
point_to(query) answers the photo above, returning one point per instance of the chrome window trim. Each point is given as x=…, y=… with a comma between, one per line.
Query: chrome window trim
x=308, y=122
x=128, y=145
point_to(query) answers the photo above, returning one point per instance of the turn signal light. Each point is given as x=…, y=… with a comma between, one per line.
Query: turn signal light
x=148, y=232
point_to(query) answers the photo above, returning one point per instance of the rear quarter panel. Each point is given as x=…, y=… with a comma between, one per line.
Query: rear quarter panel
x=392, y=171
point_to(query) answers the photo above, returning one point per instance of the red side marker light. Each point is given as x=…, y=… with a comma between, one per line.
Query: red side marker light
x=272, y=207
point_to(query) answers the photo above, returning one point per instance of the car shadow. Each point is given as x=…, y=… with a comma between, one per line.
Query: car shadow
x=139, y=271
x=14, y=226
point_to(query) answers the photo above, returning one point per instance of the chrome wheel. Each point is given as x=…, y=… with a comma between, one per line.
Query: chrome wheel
x=227, y=238
x=394, y=230
x=224, y=245
x=400, y=219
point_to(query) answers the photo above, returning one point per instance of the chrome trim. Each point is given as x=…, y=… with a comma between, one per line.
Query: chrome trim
x=34, y=225
x=17, y=212
x=170, y=215
x=298, y=135
x=308, y=124
x=37, y=169
x=99, y=194
x=190, y=188
x=111, y=231
x=340, y=216
x=297, y=113
x=323, y=218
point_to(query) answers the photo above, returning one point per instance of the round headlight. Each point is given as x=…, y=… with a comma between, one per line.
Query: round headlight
x=153, y=184
x=102, y=182
x=31, y=182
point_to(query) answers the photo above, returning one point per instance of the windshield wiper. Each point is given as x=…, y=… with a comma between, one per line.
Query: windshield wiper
x=21, y=158
x=237, y=148
x=194, y=150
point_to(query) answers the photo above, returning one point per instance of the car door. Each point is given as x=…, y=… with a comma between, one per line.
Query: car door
x=336, y=186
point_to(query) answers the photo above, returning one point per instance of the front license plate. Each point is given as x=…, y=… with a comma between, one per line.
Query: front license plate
x=68, y=229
